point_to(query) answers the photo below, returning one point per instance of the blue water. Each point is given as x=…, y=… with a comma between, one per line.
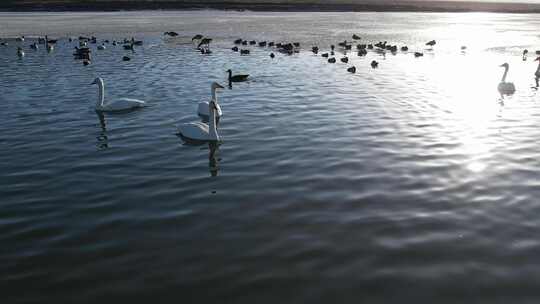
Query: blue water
x=411, y=182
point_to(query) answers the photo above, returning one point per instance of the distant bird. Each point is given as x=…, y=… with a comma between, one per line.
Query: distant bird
x=506, y=88
x=525, y=52
x=431, y=43
x=325, y=55
x=244, y=42
x=34, y=46
x=101, y=47
x=20, y=52
x=418, y=54
x=252, y=42
x=50, y=47
x=374, y=64
x=4, y=43
x=128, y=46
x=404, y=48
x=538, y=52
x=86, y=62
x=262, y=43
x=197, y=37
x=463, y=47
x=235, y=48
x=236, y=78
x=351, y=70
x=117, y=105
x=171, y=34
x=362, y=52
x=370, y=46
x=356, y=37
x=332, y=60
x=315, y=50
x=344, y=59
x=271, y=43
x=238, y=41
x=272, y=55
x=296, y=44
x=244, y=52
x=126, y=58
x=332, y=47
x=204, y=41
x=136, y=42
x=20, y=39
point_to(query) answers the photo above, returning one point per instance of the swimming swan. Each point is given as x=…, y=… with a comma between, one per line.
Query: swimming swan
x=203, y=108
x=121, y=104
x=506, y=88
x=199, y=131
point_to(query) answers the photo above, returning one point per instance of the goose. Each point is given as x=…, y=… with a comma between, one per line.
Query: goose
x=236, y=78
x=374, y=64
x=205, y=42
x=203, y=107
x=431, y=43
x=20, y=52
x=506, y=88
x=117, y=105
x=199, y=131
x=352, y=69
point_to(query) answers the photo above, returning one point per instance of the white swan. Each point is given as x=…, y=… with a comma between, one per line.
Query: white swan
x=506, y=88
x=203, y=109
x=121, y=104
x=199, y=131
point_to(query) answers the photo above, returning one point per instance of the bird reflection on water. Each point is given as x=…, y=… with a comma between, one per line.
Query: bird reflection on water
x=102, y=138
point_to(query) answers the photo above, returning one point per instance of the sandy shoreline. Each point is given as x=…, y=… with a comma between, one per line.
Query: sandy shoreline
x=383, y=6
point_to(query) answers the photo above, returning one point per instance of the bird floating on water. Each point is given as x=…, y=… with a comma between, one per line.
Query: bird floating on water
x=374, y=64
x=203, y=107
x=199, y=131
x=506, y=88
x=332, y=60
x=236, y=78
x=431, y=43
x=272, y=55
x=356, y=37
x=352, y=69
x=20, y=52
x=117, y=105
x=344, y=59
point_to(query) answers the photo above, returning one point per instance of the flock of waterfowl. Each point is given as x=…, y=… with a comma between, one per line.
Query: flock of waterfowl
x=211, y=112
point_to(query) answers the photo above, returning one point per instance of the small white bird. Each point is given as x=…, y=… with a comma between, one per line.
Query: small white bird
x=203, y=109
x=506, y=88
x=118, y=105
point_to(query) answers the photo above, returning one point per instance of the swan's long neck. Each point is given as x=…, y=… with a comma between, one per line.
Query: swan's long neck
x=101, y=94
x=505, y=73
x=212, y=132
x=214, y=94
x=538, y=69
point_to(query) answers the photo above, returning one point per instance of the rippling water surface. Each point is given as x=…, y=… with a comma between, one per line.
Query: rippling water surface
x=410, y=182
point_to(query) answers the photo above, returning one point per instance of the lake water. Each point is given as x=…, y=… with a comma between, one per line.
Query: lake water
x=410, y=182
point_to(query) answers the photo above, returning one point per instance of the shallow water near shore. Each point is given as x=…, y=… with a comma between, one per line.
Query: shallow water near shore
x=413, y=181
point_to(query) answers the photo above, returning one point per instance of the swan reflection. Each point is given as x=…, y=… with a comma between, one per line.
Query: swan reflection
x=213, y=158
x=102, y=138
